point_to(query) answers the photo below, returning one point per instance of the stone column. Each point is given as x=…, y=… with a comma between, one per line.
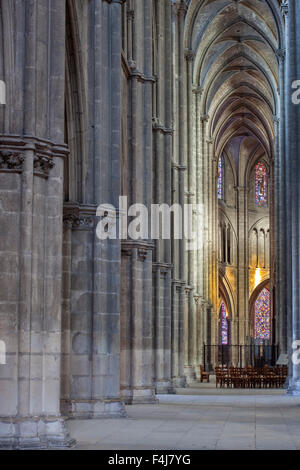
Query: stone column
x=280, y=201
x=104, y=393
x=32, y=151
x=191, y=321
x=91, y=316
x=179, y=323
x=292, y=215
x=137, y=321
x=162, y=161
x=242, y=288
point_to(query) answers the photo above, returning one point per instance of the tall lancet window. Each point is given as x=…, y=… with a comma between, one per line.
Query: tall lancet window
x=221, y=178
x=223, y=324
x=261, y=185
x=262, y=315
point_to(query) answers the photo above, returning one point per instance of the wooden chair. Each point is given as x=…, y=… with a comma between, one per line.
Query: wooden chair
x=203, y=375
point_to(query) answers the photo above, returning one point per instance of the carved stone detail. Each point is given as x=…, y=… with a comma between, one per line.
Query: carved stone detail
x=157, y=126
x=142, y=254
x=10, y=160
x=79, y=217
x=189, y=55
x=162, y=268
x=42, y=165
x=281, y=54
x=142, y=247
x=284, y=7
x=13, y=153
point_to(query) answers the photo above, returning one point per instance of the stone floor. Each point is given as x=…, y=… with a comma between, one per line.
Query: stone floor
x=199, y=417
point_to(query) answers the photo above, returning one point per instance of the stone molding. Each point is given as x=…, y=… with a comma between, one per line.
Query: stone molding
x=143, y=248
x=189, y=55
x=139, y=76
x=177, y=166
x=130, y=67
x=79, y=217
x=162, y=268
x=204, y=118
x=13, y=153
x=157, y=126
x=179, y=285
x=188, y=289
x=197, y=90
x=130, y=14
x=115, y=1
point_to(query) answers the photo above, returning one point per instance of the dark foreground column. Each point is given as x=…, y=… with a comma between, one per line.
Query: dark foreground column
x=292, y=213
x=31, y=182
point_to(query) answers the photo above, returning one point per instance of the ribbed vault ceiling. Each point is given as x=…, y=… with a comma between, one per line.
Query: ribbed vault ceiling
x=236, y=47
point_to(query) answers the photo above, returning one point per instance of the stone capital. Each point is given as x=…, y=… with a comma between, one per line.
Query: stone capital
x=158, y=127
x=79, y=217
x=204, y=118
x=284, y=8
x=281, y=54
x=162, y=268
x=11, y=160
x=142, y=247
x=189, y=55
x=180, y=7
x=13, y=150
x=115, y=1
x=197, y=90
x=177, y=166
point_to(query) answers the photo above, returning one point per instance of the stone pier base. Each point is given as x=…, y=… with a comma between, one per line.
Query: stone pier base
x=164, y=387
x=293, y=388
x=190, y=374
x=34, y=433
x=179, y=382
x=93, y=409
x=139, y=396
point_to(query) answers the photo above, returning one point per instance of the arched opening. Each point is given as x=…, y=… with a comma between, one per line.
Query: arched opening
x=233, y=93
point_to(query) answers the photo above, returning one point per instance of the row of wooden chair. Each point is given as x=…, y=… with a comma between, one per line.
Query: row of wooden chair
x=250, y=377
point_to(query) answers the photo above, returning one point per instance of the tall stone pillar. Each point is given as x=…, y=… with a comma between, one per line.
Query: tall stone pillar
x=91, y=366
x=281, y=230
x=179, y=312
x=137, y=369
x=162, y=163
x=242, y=287
x=32, y=154
x=292, y=214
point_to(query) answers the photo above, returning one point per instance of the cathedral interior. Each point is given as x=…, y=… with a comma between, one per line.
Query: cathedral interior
x=164, y=102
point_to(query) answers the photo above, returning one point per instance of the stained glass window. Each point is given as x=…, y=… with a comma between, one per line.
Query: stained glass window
x=261, y=185
x=223, y=324
x=221, y=178
x=263, y=315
